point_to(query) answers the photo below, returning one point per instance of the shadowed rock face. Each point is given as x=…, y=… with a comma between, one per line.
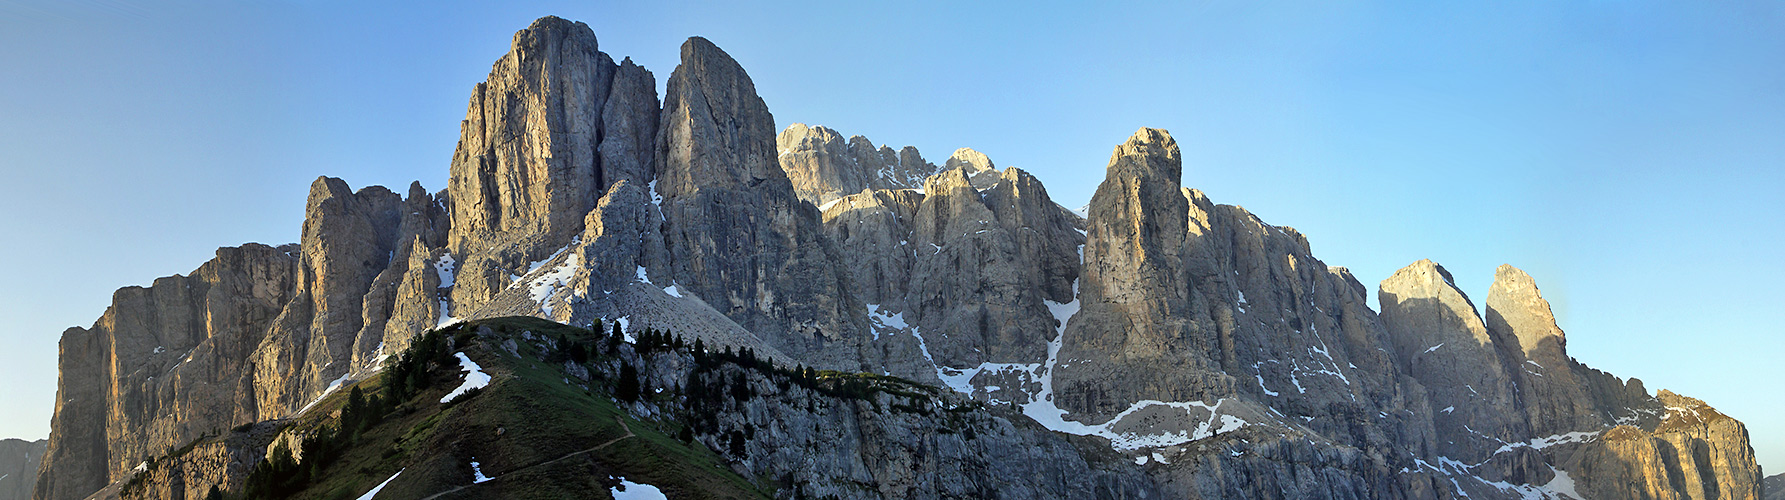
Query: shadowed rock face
x=1774, y=487
x=1439, y=340
x=1534, y=351
x=19, y=461
x=737, y=235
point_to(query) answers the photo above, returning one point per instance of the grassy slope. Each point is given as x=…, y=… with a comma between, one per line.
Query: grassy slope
x=525, y=417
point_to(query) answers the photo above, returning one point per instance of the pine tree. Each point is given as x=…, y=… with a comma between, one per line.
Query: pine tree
x=628, y=386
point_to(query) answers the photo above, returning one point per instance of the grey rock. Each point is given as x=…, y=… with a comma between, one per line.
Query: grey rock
x=349, y=240
x=976, y=165
x=1130, y=340
x=823, y=167
x=873, y=228
x=1439, y=340
x=737, y=235
x=893, y=444
x=527, y=166
x=19, y=460
x=1694, y=452
x=1773, y=487
x=1534, y=352
x=164, y=365
x=819, y=164
x=985, y=265
x=629, y=122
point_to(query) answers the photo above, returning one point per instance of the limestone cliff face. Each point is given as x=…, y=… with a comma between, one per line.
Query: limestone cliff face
x=528, y=165
x=19, y=461
x=357, y=249
x=1130, y=339
x=1609, y=437
x=737, y=235
x=987, y=262
x=978, y=167
x=162, y=366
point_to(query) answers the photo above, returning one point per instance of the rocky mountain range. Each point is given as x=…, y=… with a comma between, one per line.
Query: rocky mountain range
x=1158, y=346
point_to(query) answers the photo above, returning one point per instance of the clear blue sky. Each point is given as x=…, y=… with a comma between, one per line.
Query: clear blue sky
x=1630, y=155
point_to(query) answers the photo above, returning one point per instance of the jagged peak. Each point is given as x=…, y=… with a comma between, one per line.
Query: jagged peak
x=1150, y=153
x=1426, y=279
x=552, y=28
x=970, y=159
x=700, y=52
x=1514, y=301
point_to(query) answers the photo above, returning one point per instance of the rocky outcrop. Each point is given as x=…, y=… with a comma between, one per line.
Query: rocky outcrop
x=357, y=251
x=874, y=228
x=978, y=167
x=1130, y=340
x=1773, y=488
x=1694, y=452
x=1534, y=352
x=986, y=265
x=164, y=365
x=737, y=235
x=528, y=164
x=895, y=440
x=254, y=334
x=823, y=167
x=629, y=127
x=19, y=461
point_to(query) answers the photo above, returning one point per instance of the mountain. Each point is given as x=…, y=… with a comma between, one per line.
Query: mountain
x=19, y=461
x=1775, y=487
x=789, y=314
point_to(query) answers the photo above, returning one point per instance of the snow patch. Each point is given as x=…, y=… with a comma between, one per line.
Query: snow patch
x=1267, y=390
x=475, y=378
x=1548, y=441
x=542, y=287
x=325, y=392
x=626, y=329
x=477, y=473
x=629, y=490
x=380, y=487
x=447, y=268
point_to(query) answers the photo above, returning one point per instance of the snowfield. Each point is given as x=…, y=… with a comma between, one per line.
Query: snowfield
x=475, y=378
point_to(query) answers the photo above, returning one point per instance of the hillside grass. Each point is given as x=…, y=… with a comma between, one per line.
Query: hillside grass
x=520, y=427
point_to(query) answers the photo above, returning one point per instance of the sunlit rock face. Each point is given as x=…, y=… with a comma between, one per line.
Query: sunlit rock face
x=824, y=167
